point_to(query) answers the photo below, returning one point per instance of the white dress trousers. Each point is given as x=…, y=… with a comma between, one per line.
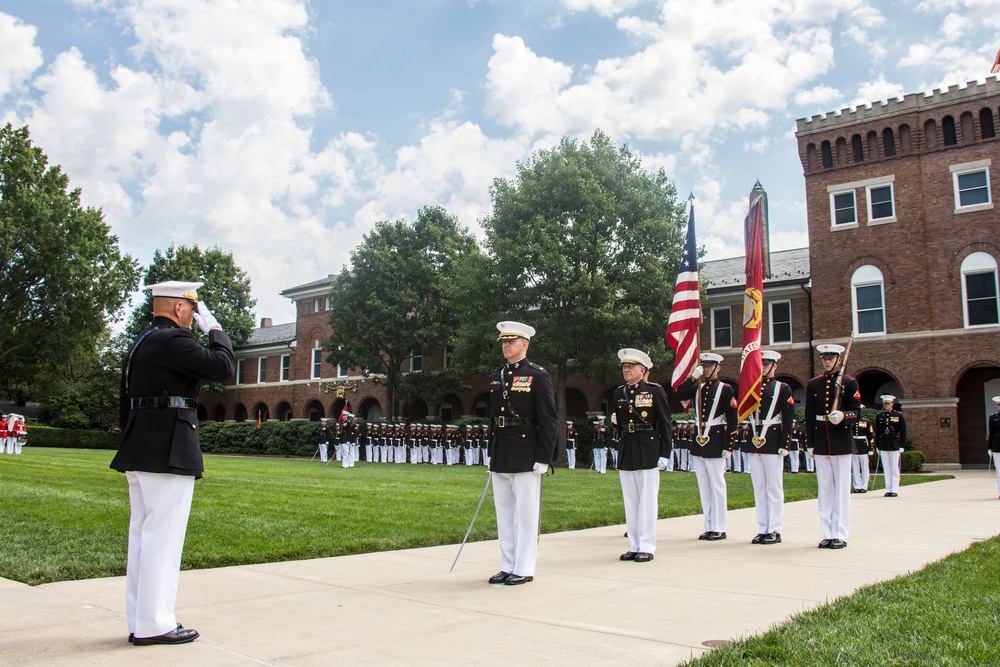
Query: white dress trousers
x=833, y=475
x=160, y=505
x=641, y=492
x=859, y=471
x=517, y=497
x=711, y=477
x=767, y=475
x=890, y=470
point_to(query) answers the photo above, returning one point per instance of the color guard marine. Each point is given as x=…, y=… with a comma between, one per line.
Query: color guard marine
x=715, y=428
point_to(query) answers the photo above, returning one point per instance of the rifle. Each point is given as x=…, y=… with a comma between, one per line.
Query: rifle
x=840, y=376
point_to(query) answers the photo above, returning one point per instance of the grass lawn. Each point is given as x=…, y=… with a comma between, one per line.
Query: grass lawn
x=947, y=614
x=65, y=513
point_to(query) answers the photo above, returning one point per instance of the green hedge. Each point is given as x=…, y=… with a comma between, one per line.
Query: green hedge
x=292, y=438
x=72, y=438
x=912, y=461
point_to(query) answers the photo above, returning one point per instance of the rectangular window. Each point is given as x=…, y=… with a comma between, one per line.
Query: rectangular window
x=416, y=363
x=240, y=370
x=880, y=205
x=981, y=298
x=843, y=207
x=317, y=363
x=341, y=370
x=871, y=315
x=722, y=328
x=781, y=322
x=286, y=367
x=262, y=370
x=973, y=188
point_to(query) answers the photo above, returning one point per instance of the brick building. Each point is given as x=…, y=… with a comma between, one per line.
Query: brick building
x=904, y=244
x=903, y=248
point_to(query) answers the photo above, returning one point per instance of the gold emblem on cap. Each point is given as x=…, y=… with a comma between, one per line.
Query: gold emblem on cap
x=191, y=296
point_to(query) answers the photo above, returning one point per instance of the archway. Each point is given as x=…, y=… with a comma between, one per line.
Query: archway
x=202, y=414
x=975, y=391
x=370, y=410
x=314, y=411
x=284, y=411
x=220, y=413
x=481, y=405
x=261, y=413
x=240, y=413
x=876, y=383
x=576, y=404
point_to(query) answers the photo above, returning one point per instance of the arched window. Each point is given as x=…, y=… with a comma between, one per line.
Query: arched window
x=968, y=127
x=857, y=150
x=872, y=140
x=986, y=127
x=888, y=142
x=930, y=134
x=948, y=130
x=867, y=298
x=841, y=147
x=811, y=157
x=905, y=139
x=979, y=290
x=827, y=154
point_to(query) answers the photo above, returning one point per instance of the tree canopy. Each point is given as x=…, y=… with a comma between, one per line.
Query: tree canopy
x=226, y=291
x=62, y=275
x=582, y=244
x=389, y=305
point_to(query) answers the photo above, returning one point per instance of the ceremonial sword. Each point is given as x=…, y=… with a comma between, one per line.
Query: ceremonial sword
x=481, y=498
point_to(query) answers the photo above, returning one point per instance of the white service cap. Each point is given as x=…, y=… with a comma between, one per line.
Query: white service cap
x=510, y=329
x=176, y=289
x=630, y=355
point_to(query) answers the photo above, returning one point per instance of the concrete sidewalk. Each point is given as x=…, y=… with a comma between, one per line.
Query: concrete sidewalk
x=584, y=607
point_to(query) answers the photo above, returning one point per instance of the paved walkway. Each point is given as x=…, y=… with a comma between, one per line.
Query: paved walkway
x=584, y=607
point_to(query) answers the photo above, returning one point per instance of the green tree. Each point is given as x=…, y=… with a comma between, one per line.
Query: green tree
x=389, y=306
x=63, y=278
x=583, y=245
x=82, y=392
x=226, y=291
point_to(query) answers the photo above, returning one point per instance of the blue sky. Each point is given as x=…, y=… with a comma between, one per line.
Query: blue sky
x=282, y=130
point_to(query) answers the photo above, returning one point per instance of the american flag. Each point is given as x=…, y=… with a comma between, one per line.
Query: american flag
x=685, y=313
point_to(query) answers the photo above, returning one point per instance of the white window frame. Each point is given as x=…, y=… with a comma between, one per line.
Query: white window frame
x=833, y=209
x=286, y=367
x=240, y=371
x=867, y=276
x=728, y=311
x=316, y=367
x=416, y=363
x=261, y=370
x=771, y=321
x=971, y=168
x=341, y=371
x=872, y=220
x=978, y=263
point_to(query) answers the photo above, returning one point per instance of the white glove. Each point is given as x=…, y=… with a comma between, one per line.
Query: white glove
x=989, y=452
x=540, y=468
x=205, y=319
x=782, y=451
x=661, y=463
x=809, y=452
x=835, y=417
x=901, y=450
x=726, y=454
x=697, y=372
x=614, y=418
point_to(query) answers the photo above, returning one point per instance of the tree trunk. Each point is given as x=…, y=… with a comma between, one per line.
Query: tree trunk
x=560, y=387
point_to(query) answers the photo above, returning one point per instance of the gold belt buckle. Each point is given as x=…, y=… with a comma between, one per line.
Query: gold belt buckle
x=702, y=439
x=501, y=422
x=758, y=441
x=631, y=428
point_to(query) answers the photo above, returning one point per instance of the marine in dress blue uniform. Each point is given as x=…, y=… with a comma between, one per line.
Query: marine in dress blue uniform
x=522, y=438
x=715, y=429
x=993, y=439
x=160, y=453
x=890, y=438
x=644, y=432
x=830, y=442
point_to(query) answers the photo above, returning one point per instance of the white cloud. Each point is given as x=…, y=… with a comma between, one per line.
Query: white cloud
x=19, y=56
x=602, y=7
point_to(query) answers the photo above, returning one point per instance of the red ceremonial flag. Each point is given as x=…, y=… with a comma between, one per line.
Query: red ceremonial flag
x=755, y=235
x=685, y=313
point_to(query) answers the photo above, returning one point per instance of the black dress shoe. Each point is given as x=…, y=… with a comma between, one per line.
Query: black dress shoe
x=704, y=536
x=516, y=579
x=643, y=557
x=178, y=635
x=628, y=555
x=892, y=494
x=855, y=491
x=759, y=538
x=825, y=544
x=500, y=577
x=131, y=638
x=862, y=490
x=771, y=538
x=837, y=544
x=715, y=536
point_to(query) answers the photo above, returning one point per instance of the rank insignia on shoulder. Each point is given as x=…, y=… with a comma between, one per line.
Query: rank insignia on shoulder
x=791, y=401
x=732, y=403
x=857, y=395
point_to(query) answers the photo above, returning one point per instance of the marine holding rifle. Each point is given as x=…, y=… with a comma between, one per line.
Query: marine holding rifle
x=833, y=405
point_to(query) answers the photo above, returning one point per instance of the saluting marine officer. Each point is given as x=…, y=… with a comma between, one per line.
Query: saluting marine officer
x=890, y=436
x=643, y=419
x=830, y=442
x=768, y=445
x=522, y=438
x=713, y=436
x=160, y=453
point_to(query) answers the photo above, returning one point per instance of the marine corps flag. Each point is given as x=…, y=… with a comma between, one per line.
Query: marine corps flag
x=757, y=268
